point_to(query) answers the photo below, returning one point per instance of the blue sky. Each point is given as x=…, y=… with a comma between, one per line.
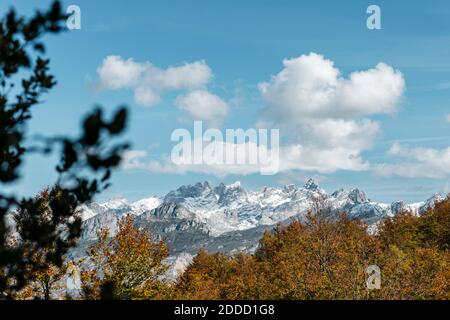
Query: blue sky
x=243, y=44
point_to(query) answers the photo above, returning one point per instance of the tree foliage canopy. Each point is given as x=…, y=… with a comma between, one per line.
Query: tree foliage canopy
x=85, y=162
x=326, y=257
x=128, y=265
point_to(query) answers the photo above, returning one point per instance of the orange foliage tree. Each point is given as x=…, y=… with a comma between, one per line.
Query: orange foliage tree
x=128, y=265
x=325, y=257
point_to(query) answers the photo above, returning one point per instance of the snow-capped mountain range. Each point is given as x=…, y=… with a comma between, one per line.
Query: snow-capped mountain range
x=230, y=218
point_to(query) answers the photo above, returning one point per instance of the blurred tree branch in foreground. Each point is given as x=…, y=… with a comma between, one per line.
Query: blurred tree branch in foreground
x=42, y=229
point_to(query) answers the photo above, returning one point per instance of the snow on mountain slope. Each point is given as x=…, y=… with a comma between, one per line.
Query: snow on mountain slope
x=143, y=205
x=118, y=205
x=200, y=212
x=96, y=216
x=226, y=208
x=430, y=203
x=228, y=218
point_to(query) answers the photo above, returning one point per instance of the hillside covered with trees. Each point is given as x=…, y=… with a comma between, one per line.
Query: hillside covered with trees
x=322, y=256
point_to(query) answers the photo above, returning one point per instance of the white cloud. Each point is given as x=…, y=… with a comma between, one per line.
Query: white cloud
x=131, y=159
x=310, y=87
x=447, y=118
x=327, y=114
x=299, y=157
x=203, y=105
x=324, y=117
x=214, y=163
x=420, y=162
x=116, y=73
x=146, y=97
x=291, y=157
x=338, y=133
x=149, y=82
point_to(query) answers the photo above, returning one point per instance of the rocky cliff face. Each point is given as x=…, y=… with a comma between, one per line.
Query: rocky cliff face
x=229, y=218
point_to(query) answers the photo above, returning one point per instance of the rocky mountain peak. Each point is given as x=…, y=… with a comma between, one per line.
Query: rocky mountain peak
x=229, y=193
x=311, y=185
x=234, y=185
x=398, y=206
x=230, y=208
x=289, y=188
x=431, y=202
x=187, y=191
x=117, y=202
x=337, y=193
x=357, y=196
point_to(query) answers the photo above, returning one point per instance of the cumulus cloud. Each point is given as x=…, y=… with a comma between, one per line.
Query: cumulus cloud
x=131, y=159
x=203, y=105
x=326, y=113
x=323, y=116
x=116, y=73
x=310, y=87
x=149, y=82
x=211, y=157
x=338, y=133
x=288, y=158
x=418, y=162
x=165, y=165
